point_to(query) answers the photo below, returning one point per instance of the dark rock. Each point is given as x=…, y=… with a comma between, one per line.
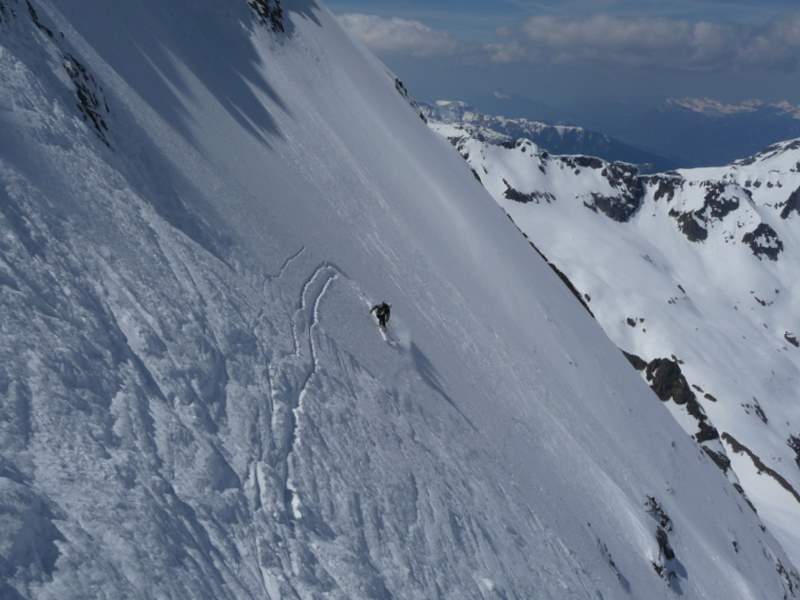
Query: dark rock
x=740, y=489
x=706, y=433
x=668, y=382
x=637, y=362
x=716, y=205
x=791, y=580
x=666, y=186
x=719, y=459
x=36, y=21
x=631, y=322
x=403, y=91
x=740, y=448
x=620, y=209
x=792, y=339
x=666, y=562
x=588, y=162
x=270, y=13
x=535, y=196
x=794, y=443
x=764, y=241
x=612, y=564
x=689, y=225
x=756, y=408
x=655, y=510
x=561, y=276
x=91, y=102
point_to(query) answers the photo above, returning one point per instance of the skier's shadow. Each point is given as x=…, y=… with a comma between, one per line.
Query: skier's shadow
x=431, y=377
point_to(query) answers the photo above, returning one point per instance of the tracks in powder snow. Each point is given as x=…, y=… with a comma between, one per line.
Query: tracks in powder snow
x=305, y=325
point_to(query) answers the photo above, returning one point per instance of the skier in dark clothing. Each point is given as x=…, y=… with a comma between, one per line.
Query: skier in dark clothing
x=383, y=311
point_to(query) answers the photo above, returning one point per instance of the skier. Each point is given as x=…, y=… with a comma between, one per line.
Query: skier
x=383, y=311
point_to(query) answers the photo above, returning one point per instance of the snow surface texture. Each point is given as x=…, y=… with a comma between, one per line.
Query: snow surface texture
x=693, y=272
x=197, y=210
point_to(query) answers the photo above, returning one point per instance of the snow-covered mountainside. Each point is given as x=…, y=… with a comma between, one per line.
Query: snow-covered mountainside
x=695, y=275
x=199, y=202
x=558, y=139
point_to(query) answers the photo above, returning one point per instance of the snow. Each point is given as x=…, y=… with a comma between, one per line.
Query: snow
x=721, y=309
x=196, y=402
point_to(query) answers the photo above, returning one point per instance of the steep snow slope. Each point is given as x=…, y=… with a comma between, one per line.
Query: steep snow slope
x=197, y=211
x=695, y=274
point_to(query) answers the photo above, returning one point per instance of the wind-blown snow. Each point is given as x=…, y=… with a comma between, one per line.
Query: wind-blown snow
x=195, y=401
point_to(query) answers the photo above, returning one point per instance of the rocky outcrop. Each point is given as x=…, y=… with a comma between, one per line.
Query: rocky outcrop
x=791, y=205
x=91, y=101
x=534, y=196
x=759, y=464
x=666, y=564
x=764, y=241
x=666, y=186
x=565, y=280
x=690, y=225
x=720, y=200
x=622, y=177
x=270, y=13
x=669, y=383
x=403, y=91
x=794, y=443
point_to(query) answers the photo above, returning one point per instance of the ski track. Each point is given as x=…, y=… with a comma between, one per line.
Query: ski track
x=297, y=409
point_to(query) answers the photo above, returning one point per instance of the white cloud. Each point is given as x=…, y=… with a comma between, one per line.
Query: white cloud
x=650, y=42
x=600, y=39
x=399, y=36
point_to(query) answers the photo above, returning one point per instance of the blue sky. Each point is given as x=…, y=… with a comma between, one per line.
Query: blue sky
x=573, y=53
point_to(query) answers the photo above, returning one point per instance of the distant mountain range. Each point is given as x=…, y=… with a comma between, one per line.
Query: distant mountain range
x=558, y=139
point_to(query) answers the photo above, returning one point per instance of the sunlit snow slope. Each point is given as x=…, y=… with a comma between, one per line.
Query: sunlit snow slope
x=695, y=274
x=199, y=201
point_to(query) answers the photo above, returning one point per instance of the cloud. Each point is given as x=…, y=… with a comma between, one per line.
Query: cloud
x=655, y=42
x=394, y=35
x=650, y=42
